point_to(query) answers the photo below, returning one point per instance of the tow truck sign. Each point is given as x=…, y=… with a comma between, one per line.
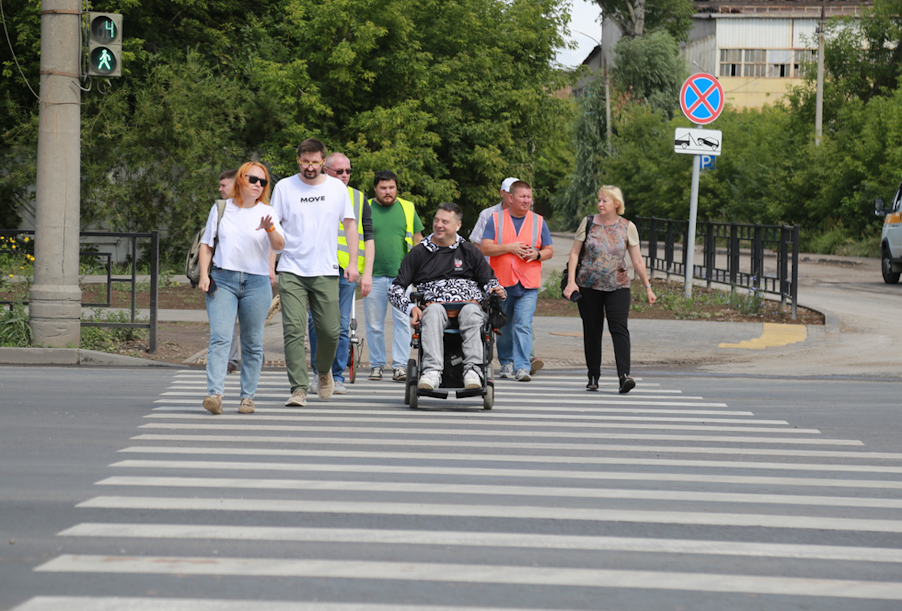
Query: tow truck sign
x=697, y=141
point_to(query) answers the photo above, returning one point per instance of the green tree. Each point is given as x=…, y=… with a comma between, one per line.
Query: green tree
x=635, y=18
x=651, y=70
x=453, y=96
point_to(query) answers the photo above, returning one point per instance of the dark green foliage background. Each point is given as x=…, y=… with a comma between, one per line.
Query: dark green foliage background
x=452, y=95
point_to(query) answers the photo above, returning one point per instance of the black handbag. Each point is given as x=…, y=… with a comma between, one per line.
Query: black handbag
x=565, y=277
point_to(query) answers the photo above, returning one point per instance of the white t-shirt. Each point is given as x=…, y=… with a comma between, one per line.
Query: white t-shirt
x=311, y=217
x=241, y=247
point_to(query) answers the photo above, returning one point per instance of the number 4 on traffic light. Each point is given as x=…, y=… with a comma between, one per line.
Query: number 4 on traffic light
x=104, y=44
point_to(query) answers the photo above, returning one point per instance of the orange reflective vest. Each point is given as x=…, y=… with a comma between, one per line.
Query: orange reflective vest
x=511, y=269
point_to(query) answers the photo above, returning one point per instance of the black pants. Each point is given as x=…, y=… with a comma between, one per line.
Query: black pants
x=594, y=307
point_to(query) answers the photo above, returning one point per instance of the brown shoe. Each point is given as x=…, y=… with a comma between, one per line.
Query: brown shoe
x=325, y=386
x=213, y=404
x=298, y=399
x=535, y=365
x=246, y=407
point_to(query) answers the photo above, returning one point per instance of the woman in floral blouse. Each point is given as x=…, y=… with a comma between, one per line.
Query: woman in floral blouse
x=604, y=284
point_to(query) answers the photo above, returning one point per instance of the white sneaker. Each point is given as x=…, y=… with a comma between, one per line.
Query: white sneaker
x=472, y=380
x=313, y=387
x=507, y=371
x=339, y=388
x=523, y=375
x=325, y=386
x=430, y=380
x=298, y=399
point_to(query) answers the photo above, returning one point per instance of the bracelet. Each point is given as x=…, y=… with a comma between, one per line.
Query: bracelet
x=271, y=229
x=648, y=286
x=538, y=255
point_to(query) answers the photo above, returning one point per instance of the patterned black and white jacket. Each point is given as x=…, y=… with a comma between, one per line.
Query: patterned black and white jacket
x=443, y=274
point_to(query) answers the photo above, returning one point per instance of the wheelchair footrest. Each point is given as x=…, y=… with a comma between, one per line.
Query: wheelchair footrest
x=438, y=394
x=476, y=392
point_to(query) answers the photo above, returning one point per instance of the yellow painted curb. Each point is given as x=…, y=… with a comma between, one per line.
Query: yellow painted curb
x=773, y=335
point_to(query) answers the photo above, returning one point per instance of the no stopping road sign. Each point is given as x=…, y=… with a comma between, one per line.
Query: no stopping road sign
x=701, y=98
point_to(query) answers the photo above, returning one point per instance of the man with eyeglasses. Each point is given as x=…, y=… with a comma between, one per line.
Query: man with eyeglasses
x=312, y=206
x=396, y=229
x=339, y=166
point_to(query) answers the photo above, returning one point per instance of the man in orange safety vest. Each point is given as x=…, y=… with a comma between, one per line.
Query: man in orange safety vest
x=516, y=241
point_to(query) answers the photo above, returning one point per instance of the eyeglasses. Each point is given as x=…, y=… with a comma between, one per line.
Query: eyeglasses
x=340, y=172
x=308, y=164
x=255, y=179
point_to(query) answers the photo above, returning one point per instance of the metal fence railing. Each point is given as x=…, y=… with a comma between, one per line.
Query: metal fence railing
x=744, y=250
x=107, y=263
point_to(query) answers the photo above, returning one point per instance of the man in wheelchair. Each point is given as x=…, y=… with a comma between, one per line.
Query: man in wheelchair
x=446, y=270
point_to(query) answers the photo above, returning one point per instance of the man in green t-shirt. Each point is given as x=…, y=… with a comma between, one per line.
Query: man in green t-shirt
x=396, y=229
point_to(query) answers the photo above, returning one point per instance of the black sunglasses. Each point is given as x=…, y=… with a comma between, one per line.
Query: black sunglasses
x=254, y=180
x=340, y=172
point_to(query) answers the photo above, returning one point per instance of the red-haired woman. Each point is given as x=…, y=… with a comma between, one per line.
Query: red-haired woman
x=239, y=281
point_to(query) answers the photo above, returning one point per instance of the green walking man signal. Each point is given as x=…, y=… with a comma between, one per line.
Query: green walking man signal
x=104, y=44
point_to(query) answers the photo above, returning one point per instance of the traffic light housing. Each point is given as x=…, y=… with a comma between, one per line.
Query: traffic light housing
x=104, y=44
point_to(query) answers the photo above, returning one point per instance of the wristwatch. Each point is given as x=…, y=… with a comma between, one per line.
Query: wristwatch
x=648, y=286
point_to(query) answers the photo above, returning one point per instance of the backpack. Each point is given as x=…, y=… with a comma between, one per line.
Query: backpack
x=192, y=264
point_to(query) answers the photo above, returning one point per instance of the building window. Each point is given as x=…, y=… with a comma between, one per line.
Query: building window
x=802, y=58
x=779, y=63
x=758, y=63
x=755, y=63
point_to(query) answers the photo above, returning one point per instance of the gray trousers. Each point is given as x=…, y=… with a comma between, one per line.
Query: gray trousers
x=434, y=323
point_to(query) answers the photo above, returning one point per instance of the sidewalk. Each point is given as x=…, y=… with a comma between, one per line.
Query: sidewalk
x=690, y=346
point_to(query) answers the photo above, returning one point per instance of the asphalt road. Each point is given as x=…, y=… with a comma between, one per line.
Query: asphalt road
x=705, y=493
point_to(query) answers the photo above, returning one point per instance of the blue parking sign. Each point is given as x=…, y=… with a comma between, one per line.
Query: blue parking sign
x=707, y=162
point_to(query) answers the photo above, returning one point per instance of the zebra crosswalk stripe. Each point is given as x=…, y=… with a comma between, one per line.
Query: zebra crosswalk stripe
x=469, y=573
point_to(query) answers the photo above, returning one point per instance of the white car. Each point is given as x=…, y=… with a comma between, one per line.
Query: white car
x=891, y=237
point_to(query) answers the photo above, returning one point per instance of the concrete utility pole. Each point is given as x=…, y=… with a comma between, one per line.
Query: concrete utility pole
x=819, y=94
x=55, y=302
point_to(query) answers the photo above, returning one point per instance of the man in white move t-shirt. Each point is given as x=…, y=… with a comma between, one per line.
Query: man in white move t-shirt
x=311, y=206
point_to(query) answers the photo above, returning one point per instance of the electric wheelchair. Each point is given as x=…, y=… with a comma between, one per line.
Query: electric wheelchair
x=453, y=373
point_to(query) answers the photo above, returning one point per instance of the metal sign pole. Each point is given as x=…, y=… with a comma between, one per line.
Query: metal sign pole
x=693, y=214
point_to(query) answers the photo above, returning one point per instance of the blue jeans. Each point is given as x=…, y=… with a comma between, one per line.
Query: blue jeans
x=375, y=304
x=346, y=292
x=516, y=336
x=249, y=296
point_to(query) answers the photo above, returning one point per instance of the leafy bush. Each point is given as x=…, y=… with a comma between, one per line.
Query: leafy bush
x=14, y=329
x=551, y=289
x=108, y=339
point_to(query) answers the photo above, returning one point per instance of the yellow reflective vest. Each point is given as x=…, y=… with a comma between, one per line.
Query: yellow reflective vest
x=344, y=256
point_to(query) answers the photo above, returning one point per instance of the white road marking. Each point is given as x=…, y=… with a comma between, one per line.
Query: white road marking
x=708, y=478
x=130, y=603
x=506, y=512
x=553, y=459
x=470, y=573
x=486, y=539
x=449, y=407
x=249, y=424
x=471, y=433
x=500, y=398
x=686, y=496
x=456, y=418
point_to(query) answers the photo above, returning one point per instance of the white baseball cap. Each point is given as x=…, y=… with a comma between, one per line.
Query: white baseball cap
x=506, y=185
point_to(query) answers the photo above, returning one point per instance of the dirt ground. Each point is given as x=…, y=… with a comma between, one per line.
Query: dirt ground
x=178, y=341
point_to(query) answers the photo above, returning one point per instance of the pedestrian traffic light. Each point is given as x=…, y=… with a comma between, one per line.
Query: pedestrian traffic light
x=104, y=44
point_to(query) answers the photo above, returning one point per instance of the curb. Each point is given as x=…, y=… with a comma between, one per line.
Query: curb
x=73, y=356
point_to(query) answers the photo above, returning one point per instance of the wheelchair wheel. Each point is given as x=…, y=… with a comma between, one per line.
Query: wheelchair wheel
x=489, y=399
x=352, y=364
x=411, y=383
x=412, y=397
